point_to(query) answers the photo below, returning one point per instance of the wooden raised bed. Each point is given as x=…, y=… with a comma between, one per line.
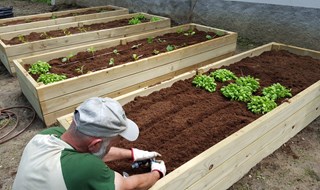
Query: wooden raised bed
x=113, y=11
x=226, y=162
x=10, y=52
x=54, y=100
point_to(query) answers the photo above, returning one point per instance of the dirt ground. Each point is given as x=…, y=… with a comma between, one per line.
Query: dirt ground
x=294, y=166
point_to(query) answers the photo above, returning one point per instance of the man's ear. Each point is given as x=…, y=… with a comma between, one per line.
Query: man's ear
x=95, y=144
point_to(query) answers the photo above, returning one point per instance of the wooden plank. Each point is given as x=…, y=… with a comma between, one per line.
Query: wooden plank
x=50, y=22
x=85, y=81
x=103, y=89
x=219, y=177
x=297, y=50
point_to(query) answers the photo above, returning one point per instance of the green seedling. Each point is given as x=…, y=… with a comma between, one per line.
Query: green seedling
x=66, y=32
x=189, y=33
x=67, y=58
x=205, y=82
x=50, y=78
x=223, y=75
x=111, y=62
x=22, y=38
x=248, y=81
x=261, y=104
x=160, y=40
x=150, y=40
x=134, y=21
x=170, y=47
x=136, y=57
x=91, y=50
x=155, y=52
x=39, y=67
x=155, y=19
x=80, y=70
x=180, y=31
x=140, y=16
x=53, y=17
x=209, y=37
x=136, y=46
x=115, y=51
x=237, y=92
x=276, y=91
x=219, y=33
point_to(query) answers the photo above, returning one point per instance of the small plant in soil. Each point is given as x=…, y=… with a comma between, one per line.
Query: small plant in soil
x=44, y=35
x=276, y=91
x=248, y=81
x=136, y=46
x=180, y=31
x=161, y=40
x=189, y=33
x=91, y=50
x=50, y=78
x=137, y=19
x=53, y=17
x=150, y=40
x=155, y=52
x=261, y=104
x=115, y=51
x=236, y=92
x=22, y=39
x=154, y=19
x=208, y=37
x=136, y=57
x=67, y=58
x=170, y=47
x=66, y=32
x=40, y=67
x=111, y=62
x=80, y=69
x=205, y=82
x=223, y=75
x=219, y=33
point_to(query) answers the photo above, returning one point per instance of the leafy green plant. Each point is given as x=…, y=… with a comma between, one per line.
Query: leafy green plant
x=248, y=81
x=50, y=78
x=170, y=47
x=22, y=38
x=208, y=37
x=155, y=19
x=140, y=16
x=136, y=57
x=276, y=91
x=161, y=40
x=189, y=33
x=39, y=67
x=180, y=31
x=237, y=92
x=91, y=50
x=134, y=21
x=223, y=75
x=155, y=52
x=261, y=104
x=67, y=58
x=205, y=82
x=80, y=69
x=111, y=62
x=115, y=51
x=150, y=40
x=219, y=33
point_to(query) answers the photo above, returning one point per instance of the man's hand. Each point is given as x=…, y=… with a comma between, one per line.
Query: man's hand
x=159, y=166
x=138, y=155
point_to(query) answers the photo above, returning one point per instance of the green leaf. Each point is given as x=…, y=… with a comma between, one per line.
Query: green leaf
x=205, y=82
x=261, y=104
x=50, y=78
x=40, y=67
x=223, y=75
x=276, y=91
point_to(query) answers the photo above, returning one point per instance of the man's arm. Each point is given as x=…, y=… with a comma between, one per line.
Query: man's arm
x=130, y=154
x=141, y=181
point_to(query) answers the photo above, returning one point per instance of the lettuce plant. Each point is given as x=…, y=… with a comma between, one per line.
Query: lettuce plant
x=261, y=104
x=205, y=82
x=237, y=92
x=223, y=75
x=39, y=67
x=249, y=82
x=50, y=78
x=276, y=91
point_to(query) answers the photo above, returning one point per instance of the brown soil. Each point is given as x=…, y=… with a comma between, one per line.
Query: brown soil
x=23, y=21
x=36, y=36
x=102, y=57
x=182, y=121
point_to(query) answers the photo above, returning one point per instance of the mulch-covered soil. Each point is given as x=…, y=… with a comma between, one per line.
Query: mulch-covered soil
x=182, y=121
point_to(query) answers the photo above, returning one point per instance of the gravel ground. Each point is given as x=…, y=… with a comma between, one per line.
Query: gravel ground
x=294, y=166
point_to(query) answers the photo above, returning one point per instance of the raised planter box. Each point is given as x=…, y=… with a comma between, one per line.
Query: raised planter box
x=54, y=100
x=113, y=11
x=10, y=52
x=226, y=162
